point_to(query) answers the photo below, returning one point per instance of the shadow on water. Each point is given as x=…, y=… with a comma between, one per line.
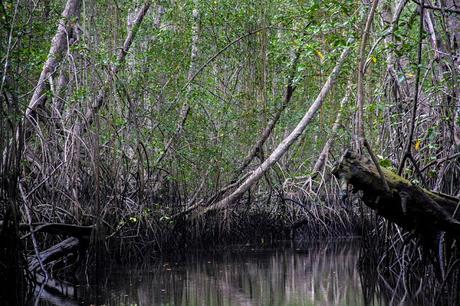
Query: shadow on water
x=323, y=273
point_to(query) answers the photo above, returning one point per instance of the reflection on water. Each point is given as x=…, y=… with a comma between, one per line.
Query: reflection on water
x=317, y=274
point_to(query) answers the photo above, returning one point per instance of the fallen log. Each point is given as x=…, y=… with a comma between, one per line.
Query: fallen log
x=411, y=207
x=80, y=231
x=55, y=252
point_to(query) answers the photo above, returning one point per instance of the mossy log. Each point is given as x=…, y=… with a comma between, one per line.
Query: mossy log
x=414, y=208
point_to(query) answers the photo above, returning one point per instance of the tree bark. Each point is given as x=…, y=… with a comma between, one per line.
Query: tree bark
x=321, y=161
x=101, y=96
x=55, y=252
x=272, y=123
x=405, y=204
x=58, y=46
x=287, y=142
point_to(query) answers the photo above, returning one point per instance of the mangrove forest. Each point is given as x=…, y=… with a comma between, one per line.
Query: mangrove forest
x=229, y=152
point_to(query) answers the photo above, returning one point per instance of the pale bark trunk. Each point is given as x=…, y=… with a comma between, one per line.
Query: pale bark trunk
x=321, y=161
x=272, y=123
x=287, y=142
x=59, y=45
x=101, y=96
x=362, y=142
x=453, y=27
x=362, y=61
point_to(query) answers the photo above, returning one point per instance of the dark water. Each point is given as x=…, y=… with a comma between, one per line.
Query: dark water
x=315, y=274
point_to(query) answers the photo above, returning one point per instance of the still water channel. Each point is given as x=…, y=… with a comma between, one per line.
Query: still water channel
x=323, y=273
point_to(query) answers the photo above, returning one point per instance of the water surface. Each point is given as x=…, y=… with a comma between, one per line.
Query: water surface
x=315, y=274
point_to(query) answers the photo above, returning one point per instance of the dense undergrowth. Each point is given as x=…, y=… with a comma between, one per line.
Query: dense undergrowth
x=137, y=117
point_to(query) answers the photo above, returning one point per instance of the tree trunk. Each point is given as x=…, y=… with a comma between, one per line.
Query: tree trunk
x=55, y=252
x=287, y=142
x=322, y=159
x=360, y=97
x=101, y=96
x=406, y=204
x=58, y=46
x=185, y=110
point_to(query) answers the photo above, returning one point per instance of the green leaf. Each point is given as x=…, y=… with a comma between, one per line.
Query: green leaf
x=386, y=163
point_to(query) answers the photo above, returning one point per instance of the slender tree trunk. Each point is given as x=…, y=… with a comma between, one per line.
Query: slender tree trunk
x=185, y=110
x=272, y=123
x=362, y=60
x=91, y=112
x=287, y=142
x=58, y=47
x=321, y=161
x=453, y=35
x=408, y=147
x=362, y=142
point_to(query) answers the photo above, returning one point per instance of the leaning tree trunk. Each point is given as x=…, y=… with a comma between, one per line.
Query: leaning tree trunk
x=406, y=204
x=286, y=143
x=322, y=159
x=58, y=46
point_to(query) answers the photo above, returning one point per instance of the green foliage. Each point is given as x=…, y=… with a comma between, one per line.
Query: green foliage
x=385, y=162
x=232, y=98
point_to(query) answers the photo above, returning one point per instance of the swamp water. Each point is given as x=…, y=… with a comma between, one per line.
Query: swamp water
x=323, y=273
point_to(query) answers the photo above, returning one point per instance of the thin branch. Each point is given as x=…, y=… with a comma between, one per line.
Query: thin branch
x=437, y=8
x=438, y=162
x=408, y=148
x=361, y=72
x=361, y=95
x=32, y=233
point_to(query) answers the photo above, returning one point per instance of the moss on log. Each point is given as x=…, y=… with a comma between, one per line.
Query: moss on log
x=406, y=204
